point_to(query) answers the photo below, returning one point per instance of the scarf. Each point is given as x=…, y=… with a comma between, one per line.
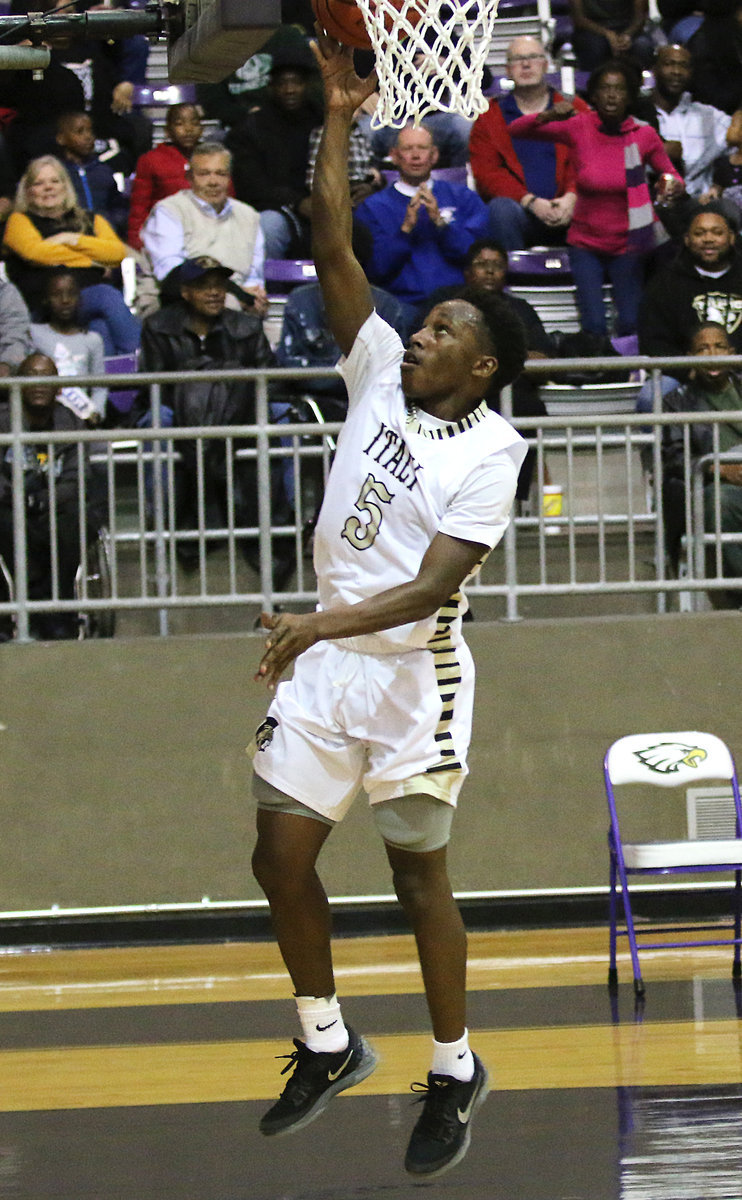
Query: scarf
x=645, y=231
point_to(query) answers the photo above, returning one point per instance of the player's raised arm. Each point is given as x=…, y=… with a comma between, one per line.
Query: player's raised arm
x=347, y=295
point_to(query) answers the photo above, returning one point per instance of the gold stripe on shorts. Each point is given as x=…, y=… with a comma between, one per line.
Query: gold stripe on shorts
x=448, y=679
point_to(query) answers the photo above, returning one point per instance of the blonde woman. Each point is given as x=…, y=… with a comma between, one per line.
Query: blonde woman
x=47, y=230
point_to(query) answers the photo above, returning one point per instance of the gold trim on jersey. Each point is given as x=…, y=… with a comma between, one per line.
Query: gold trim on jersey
x=448, y=678
x=447, y=431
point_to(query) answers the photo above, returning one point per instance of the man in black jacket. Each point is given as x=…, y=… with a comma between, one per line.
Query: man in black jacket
x=704, y=283
x=198, y=332
x=270, y=149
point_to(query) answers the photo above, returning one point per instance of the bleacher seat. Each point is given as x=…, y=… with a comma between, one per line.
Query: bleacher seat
x=121, y=400
x=281, y=275
x=160, y=93
x=543, y=277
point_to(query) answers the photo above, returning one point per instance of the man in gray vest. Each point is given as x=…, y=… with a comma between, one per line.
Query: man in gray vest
x=206, y=221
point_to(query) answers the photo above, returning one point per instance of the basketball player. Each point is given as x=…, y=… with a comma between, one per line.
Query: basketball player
x=381, y=696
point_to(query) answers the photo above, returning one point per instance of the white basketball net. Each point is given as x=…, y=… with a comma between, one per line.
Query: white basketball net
x=433, y=66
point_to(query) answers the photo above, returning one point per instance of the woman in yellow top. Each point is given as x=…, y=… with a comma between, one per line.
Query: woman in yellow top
x=49, y=230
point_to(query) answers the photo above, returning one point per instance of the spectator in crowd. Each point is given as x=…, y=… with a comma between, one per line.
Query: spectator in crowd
x=614, y=226
x=41, y=414
x=695, y=134
x=74, y=349
x=247, y=88
x=83, y=76
x=15, y=328
x=681, y=19
x=610, y=29
x=8, y=176
x=529, y=186
x=727, y=173
x=204, y=220
x=163, y=171
x=94, y=181
x=421, y=228
x=717, y=58
x=450, y=130
x=364, y=175
x=704, y=283
x=306, y=339
x=49, y=229
x=486, y=270
x=199, y=332
x=709, y=388
x=271, y=154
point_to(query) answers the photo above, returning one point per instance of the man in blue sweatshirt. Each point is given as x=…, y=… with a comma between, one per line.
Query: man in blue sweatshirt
x=421, y=228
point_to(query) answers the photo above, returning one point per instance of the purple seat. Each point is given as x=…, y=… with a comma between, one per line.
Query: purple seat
x=540, y=264
x=628, y=345
x=283, y=273
x=121, y=400
x=161, y=94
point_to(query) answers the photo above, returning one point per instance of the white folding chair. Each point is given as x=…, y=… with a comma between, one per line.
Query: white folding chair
x=668, y=760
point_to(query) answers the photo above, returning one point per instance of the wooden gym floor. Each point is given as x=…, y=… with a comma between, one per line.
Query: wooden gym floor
x=140, y=1074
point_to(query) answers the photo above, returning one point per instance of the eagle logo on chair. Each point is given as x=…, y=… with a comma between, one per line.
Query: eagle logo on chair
x=668, y=757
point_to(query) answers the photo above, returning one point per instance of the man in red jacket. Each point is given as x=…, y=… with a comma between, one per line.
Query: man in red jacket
x=529, y=186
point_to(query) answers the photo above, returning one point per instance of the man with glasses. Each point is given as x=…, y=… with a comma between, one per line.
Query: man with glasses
x=528, y=186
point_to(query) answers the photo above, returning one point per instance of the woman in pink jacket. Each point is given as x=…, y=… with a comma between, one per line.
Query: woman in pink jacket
x=614, y=225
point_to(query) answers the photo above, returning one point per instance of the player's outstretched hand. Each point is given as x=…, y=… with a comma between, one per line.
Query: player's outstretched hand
x=342, y=86
x=290, y=635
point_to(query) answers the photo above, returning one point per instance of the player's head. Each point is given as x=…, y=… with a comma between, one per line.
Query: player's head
x=466, y=347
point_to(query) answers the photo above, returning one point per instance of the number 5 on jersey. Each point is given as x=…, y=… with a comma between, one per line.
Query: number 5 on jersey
x=363, y=533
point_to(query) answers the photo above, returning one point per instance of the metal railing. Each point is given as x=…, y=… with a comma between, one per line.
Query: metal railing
x=608, y=540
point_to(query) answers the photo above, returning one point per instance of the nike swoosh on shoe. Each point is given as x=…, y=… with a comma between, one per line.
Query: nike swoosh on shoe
x=333, y=1075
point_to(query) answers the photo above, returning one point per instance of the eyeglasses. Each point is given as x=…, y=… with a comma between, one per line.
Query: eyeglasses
x=527, y=58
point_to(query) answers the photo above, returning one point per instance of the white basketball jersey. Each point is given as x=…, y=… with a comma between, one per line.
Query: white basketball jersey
x=397, y=480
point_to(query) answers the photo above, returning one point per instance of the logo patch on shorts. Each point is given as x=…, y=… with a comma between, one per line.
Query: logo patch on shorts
x=264, y=733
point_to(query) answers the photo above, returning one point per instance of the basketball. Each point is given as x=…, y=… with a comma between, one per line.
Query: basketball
x=343, y=20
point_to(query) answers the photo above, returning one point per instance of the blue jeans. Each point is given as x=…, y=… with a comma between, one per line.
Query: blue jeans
x=592, y=49
x=103, y=309
x=283, y=237
x=515, y=228
x=625, y=273
x=166, y=422
x=645, y=399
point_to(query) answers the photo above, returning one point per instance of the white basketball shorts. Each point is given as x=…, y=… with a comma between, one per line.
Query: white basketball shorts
x=396, y=725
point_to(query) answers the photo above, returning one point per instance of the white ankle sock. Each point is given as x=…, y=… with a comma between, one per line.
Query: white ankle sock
x=453, y=1058
x=322, y=1023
